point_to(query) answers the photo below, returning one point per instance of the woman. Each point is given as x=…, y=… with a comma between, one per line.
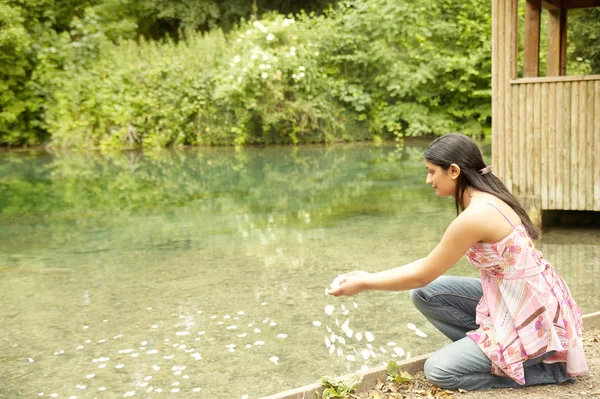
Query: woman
x=516, y=326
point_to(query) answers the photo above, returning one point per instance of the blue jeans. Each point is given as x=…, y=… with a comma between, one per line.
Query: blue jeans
x=449, y=303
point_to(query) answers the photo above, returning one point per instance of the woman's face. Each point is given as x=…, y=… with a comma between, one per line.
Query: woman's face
x=442, y=181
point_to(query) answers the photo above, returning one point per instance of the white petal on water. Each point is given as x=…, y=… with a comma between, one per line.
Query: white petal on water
x=345, y=312
x=392, y=343
x=176, y=383
x=263, y=303
x=242, y=335
x=31, y=360
x=227, y=316
x=345, y=325
x=364, y=368
x=149, y=308
x=343, y=307
x=259, y=343
x=180, y=333
x=282, y=336
x=87, y=341
x=41, y=394
x=399, y=351
x=349, y=332
x=341, y=340
x=229, y=346
x=420, y=333
x=358, y=336
x=241, y=312
x=245, y=397
x=232, y=327
x=329, y=309
x=213, y=317
x=72, y=397
x=382, y=349
x=369, y=346
x=101, y=366
x=272, y=324
x=169, y=357
x=248, y=346
x=355, y=305
x=365, y=354
x=90, y=375
x=369, y=336
x=373, y=354
x=337, y=322
x=126, y=351
x=274, y=359
x=79, y=386
x=79, y=347
x=221, y=323
x=201, y=332
x=152, y=352
x=128, y=394
x=408, y=356
x=54, y=395
x=155, y=368
x=149, y=390
x=175, y=390
x=148, y=378
x=327, y=342
x=197, y=389
x=328, y=329
x=256, y=330
x=333, y=337
x=331, y=349
x=119, y=366
x=158, y=390
x=350, y=358
x=102, y=389
x=340, y=352
x=135, y=354
x=316, y=323
x=411, y=326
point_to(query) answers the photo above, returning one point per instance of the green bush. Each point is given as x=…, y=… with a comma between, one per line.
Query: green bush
x=363, y=69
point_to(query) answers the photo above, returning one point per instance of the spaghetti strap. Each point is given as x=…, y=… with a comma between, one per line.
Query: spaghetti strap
x=499, y=210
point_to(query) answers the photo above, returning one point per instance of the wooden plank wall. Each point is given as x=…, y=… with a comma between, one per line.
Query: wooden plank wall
x=550, y=151
x=546, y=131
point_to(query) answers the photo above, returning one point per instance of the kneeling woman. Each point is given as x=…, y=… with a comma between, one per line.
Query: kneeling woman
x=516, y=326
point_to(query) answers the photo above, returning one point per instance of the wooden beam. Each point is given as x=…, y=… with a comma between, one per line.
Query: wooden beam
x=563, y=42
x=557, y=46
x=533, y=10
x=574, y=4
x=551, y=5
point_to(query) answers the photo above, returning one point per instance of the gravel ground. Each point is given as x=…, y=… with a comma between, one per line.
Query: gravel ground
x=586, y=386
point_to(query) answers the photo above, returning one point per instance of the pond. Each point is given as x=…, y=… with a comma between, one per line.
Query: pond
x=201, y=272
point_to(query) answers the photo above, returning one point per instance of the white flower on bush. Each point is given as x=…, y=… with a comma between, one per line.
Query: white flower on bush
x=259, y=26
x=254, y=56
x=301, y=68
x=287, y=22
x=301, y=75
x=236, y=59
x=270, y=37
x=264, y=75
x=265, y=57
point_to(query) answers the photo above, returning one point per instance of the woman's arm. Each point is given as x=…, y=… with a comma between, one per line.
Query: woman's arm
x=462, y=233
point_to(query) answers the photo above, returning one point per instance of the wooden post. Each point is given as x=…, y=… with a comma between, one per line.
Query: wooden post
x=533, y=10
x=557, y=46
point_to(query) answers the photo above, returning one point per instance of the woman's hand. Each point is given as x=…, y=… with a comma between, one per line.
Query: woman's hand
x=349, y=284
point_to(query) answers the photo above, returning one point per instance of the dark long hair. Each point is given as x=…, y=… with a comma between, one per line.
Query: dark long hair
x=463, y=151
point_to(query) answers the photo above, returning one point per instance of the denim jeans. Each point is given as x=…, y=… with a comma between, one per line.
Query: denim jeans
x=449, y=303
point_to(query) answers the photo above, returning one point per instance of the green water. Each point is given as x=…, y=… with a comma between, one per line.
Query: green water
x=201, y=273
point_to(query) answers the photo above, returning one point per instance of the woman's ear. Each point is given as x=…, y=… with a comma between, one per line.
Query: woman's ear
x=454, y=171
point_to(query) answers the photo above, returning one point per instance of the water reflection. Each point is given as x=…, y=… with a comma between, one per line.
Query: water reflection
x=202, y=272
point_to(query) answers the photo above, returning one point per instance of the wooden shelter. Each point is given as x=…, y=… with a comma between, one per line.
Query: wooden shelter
x=546, y=130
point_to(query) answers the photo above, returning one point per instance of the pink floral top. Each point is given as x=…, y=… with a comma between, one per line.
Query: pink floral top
x=526, y=310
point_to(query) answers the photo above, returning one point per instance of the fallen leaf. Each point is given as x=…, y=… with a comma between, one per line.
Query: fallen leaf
x=379, y=384
x=461, y=390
